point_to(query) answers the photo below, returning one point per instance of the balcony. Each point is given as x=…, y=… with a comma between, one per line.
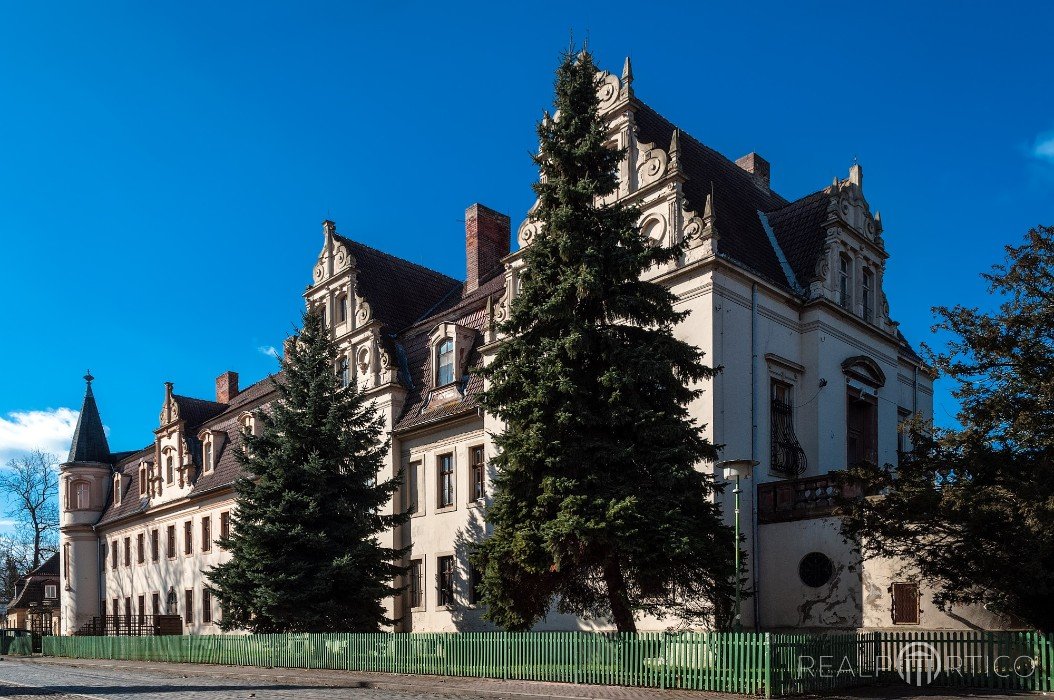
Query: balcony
x=797, y=499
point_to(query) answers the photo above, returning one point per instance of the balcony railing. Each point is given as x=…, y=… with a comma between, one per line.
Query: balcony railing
x=797, y=499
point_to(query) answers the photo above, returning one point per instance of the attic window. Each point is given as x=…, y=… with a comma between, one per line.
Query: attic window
x=445, y=362
x=117, y=489
x=142, y=478
x=207, y=453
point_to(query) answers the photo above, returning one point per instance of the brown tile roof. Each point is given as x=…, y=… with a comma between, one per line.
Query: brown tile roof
x=737, y=200
x=31, y=586
x=799, y=229
x=398, y=291
x=468, y=310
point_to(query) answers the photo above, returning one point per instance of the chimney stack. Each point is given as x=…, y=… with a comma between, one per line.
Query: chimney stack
x=487, y=241
x=758, y=168
x=226, y=387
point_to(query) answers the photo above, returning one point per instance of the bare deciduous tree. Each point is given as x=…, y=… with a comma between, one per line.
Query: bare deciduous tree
x=32, y=485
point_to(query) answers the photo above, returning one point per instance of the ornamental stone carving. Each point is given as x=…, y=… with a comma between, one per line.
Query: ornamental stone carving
x=651, y=164
x=608, y=90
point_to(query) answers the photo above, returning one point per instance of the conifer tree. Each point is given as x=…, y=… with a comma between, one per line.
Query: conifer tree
x=305, y=554
x=600, y=505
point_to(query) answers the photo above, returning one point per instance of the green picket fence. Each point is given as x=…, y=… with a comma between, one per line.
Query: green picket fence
x=747, y=663
x=729, y=662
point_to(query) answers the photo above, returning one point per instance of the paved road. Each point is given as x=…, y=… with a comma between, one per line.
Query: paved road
x=21, y=678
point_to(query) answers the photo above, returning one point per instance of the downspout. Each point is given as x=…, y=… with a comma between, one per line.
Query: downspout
x=754, y=452
x=915, y=391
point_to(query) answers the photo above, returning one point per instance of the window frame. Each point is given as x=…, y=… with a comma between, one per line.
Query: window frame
x=444, y=359
x=206, y=605
x=171, y=546
x=867, y=294
x=206, y=533
x=54, y=591
x=225, y=525
x=445, y=588
x=140, y=548
x=114, y=554
x=415, y=597
x=895, y=612
x=446, y=486
x=477, y=474
x=188, y=537
x=188, y=606
x=128, y=551
x=155, y=545
x=845, y=281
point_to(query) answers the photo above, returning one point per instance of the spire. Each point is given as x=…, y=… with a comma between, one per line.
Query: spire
x=708, y=208
x=675, y=149
x=89, y=439
x=627, y=71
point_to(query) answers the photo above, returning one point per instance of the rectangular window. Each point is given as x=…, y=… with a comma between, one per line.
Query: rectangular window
x=844, y=281
x=127, y=551
x=102, y=607
x=128, y=609
x=51, y=591
x=154, y=545
x=170, y=543
x=446, y=581
x=140, y=548
x=113, y=556
x=116, y=611
x=225, y=525
x=142, y=609
x=446, y=480
x=413, y=593
x=206, y=605
x=170, y=469
x=905, y=603
x=474, y=580
x=342, y=308
x=206, y=533
x=188, y=603
x=477, y=469
x=868, y=294
x=787, y=456
x=344, y=371
x=188, y=537
x=861, y=428
x=208, y=456
x=903, y=432
x=413, y=476
x=155, y=603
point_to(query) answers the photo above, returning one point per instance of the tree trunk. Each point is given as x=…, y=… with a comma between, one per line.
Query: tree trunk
x=617, y=596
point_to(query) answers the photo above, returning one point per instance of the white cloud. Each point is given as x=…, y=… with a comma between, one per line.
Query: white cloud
x=268, y=350
x=50, y=430
x=1044, y=147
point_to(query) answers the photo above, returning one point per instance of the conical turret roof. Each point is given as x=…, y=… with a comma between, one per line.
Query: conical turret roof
x=89, y=439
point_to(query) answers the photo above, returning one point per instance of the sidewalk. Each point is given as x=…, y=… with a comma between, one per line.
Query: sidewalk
x=440, y=685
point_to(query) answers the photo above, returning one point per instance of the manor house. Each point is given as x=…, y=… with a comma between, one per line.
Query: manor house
x=786, y=295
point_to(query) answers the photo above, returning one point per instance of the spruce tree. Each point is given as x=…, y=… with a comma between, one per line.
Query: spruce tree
x=600, y=506
x=305, y=554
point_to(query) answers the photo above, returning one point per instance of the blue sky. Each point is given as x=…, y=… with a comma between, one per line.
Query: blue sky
x=164, y=167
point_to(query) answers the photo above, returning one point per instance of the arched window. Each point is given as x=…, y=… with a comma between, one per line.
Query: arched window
x=445, y=362
x=206, y=457
x=867, y=294
x=170, y=468
x=117, y=489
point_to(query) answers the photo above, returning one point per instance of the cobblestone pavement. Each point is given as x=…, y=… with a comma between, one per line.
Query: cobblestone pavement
x=73, y=679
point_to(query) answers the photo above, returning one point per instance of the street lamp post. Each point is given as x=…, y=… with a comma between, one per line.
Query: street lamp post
x=738, y=469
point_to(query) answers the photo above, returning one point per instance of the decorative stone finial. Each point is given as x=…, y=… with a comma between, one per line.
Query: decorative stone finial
x=88, y=378
x=708, y=208
x=328, y=228
x=627, y=71
x=856, y=175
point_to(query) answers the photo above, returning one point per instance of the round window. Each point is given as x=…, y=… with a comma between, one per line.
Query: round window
x=815, y=569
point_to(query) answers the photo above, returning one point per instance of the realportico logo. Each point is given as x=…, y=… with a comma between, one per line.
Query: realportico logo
x=918, y=663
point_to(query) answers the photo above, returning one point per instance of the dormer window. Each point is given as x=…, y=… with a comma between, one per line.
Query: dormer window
x=445, y=362
x=248, y=421
x=143, y=476
x=845, y=286
x=117, y=489
x=867, y=294
x=170, y=468
x=206, y=455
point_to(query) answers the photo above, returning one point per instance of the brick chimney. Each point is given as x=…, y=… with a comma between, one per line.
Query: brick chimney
x=758, y=167
x=487, y=236
x=226, y=387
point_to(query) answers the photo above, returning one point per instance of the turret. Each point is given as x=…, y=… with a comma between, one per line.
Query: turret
x=85, y=482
